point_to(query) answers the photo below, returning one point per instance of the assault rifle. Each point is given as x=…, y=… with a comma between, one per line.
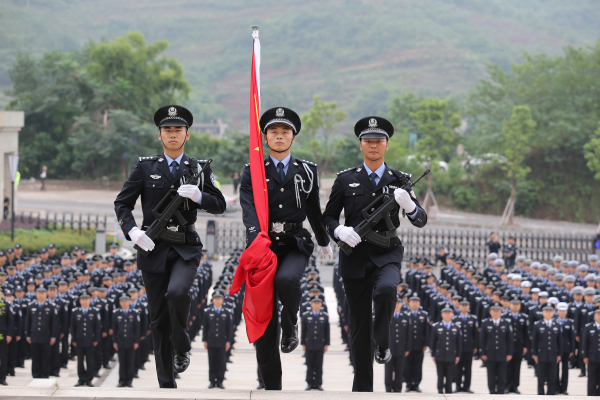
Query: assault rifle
x=372, y=218
x=158, y=229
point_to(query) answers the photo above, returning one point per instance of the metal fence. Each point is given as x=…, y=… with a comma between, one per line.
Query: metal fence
x=471, y=245
x=60, y=220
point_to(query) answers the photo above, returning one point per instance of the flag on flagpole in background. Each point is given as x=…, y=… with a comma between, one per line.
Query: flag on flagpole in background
x=258, y=263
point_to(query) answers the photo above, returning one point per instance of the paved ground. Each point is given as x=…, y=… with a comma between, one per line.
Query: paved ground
x=242, y=372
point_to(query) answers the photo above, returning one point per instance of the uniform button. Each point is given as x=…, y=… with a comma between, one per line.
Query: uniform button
x=373, y=194
x=280, y=206
x=172, y=186
x=372, y=209
x=281, y=189
x=277, y=238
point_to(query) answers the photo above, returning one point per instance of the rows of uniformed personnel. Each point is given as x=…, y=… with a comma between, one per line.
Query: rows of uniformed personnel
x=34, y=285
x=505, y=316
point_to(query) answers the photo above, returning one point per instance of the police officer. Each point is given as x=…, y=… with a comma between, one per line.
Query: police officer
x=470, y=338
x=520, y=327
x=370, y=273
x=419, y=332
x=86, y=333
x=315, y=342
x=567, y=330
x=546, y=349
x=293, y=188
x=41, y=330
x=590, y=351
x=169, y=271
x=217, y=335
x=7, y=329
x=400, y=345
x=496, y=347
x=446, y=347
x=126, y=339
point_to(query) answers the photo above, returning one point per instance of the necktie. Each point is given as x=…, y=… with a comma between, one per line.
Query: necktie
x=281, y=172
x=373, y=182
x=174, y=168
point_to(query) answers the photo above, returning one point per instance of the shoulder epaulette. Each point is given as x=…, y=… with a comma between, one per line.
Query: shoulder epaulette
x=149, y=158
x=307, y=162
x=589, y=324
x=346, y=170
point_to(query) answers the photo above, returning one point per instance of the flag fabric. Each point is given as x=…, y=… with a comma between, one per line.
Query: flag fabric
x=258, y=263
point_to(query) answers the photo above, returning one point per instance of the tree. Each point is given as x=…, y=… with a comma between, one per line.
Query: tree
x=516, y=136
x=319, y=136
x=592, y=155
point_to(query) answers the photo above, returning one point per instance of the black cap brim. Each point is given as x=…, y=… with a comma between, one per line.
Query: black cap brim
x=172, y=122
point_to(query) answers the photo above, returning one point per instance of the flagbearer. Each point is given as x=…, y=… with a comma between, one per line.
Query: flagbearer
x=370, y=274
x=293, y=191
x=170, y=269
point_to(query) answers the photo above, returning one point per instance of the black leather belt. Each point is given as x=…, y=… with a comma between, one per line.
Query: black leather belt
x=177, y=228
x=388, y=234
x=283, y=227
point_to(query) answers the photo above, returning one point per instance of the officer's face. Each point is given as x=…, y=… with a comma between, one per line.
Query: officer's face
x=464, y=308
x=373, y=149
x=495, y=313
x=85, y=303
x=124, y=304
x=597, y=317
x=41, y=296
x=414, y=304
x=447, y=316
x=279, y=137
x=562, y=314
x=173, y=137
x=548, y=314
x=589, y=298
x=316, y=305
x=217, y=302
x=515, y=307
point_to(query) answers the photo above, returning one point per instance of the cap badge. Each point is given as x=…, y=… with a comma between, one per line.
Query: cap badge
x=172, y=112
x=279, y=112
x=372, y=123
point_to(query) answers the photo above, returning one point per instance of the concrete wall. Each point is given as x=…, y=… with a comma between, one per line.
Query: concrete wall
x=11, y=123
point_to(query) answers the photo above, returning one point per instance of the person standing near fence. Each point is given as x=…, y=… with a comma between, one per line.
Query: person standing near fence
x=43, y=175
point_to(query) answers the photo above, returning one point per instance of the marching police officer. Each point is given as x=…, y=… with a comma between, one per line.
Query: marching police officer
x=567, y=329
x=293, y=189
x=400, y=345
x=470, y=338
x=217, y=335
x=520, y=327
x=86, y=333
x=169, y=271
x=546, y=349
x=41, y=330
x=126, y=339
x=370, y=273
x=446, y=347
x=590, y=352
x=315, y=342
x=419, y=340
x=496, y=348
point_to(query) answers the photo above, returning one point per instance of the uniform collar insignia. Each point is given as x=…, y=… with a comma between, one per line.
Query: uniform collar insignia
x=155, y=176
x=358, y=169
x=267, y=163
x=160, y=159
x=354, y=184
x=186, y=162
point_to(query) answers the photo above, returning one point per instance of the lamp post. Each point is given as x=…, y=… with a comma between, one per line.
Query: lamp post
x=13, y=163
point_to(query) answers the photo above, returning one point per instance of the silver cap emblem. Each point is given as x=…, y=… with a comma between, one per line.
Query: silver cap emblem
x=372, y=123
x=279, y=112
x=172, y=112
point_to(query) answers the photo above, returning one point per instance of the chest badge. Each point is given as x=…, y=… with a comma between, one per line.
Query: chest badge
x=354, y=184
x=155, y=176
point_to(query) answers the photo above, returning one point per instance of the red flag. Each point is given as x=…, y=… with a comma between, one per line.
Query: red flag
x=258, y=263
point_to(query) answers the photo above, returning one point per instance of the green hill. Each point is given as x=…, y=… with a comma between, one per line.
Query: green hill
x=354, y=52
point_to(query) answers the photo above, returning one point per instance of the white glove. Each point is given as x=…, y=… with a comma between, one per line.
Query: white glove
x=403, y=199
x=140, y=238
x=348, y=235
x=191, y=192
x=327, y=252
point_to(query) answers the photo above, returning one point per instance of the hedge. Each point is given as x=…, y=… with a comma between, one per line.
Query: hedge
x=33, y=240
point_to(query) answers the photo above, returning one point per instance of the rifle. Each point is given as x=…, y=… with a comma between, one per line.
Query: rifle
x=365, y=228
x=158, y=228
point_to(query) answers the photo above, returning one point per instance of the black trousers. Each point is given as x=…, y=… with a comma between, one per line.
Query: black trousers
x=126, y=361
x=445, y=373
x=562, y=380
x=376, y=290
x=547, y=373
x=413, y=365
x=40, y=360
x=99, y=358
x=64, y=350
x=593, y=379
x=86, y=374
x=463, y=370
x=13, y=348
x=314, y=367
x=3, y=359
x=106, y=346
x=513, y=372
x=216, y=364
x=55, y=362
x=393, y=374
x=169, y=306
x=496, y=376
x=290, y=268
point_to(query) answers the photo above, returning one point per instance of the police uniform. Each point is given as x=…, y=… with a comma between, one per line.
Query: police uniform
x=126, y=334
x=169, y=271
x=86, y=333
x=315, y=336
x=590, y=349
x=400, y=345
x=567, y=330
x=547, y=346
x=446, y=348
x=370, y=273
x=520, y=328
x=419, y=332
x=293, y=197
x=217, y=331
x=496, y=343
x=7, y=329
x=41, y=326
x=470, y=339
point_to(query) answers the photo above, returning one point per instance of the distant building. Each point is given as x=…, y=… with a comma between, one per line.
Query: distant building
x=215, y=127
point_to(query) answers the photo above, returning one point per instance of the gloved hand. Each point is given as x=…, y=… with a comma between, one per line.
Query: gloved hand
x=140, y=238
x=348, y=235
x=327, y=252
x=191, y=192
x=403, y=199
